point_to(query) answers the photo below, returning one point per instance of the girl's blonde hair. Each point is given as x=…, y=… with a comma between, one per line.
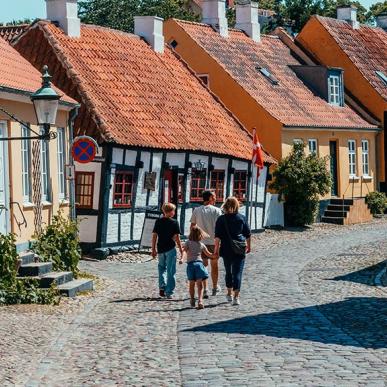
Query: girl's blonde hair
x=231, y=205
x=197, y=234
x=168, y=207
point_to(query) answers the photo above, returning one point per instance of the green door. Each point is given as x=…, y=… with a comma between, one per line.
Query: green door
x=333, y=167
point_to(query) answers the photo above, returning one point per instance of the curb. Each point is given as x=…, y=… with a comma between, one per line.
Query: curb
x=379, y=276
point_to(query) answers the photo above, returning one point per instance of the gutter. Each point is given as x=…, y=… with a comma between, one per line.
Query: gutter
x=73, y=114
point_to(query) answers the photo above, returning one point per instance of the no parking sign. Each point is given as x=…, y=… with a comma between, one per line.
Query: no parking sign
x=84, y=149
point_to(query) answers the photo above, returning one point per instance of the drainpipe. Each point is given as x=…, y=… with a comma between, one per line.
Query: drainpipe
x=73, y=114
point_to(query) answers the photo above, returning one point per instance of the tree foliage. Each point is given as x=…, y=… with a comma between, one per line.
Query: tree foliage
x=119, y=14
x=300, y=180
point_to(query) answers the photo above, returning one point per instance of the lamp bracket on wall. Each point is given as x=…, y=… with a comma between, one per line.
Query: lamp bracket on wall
x=47, y=135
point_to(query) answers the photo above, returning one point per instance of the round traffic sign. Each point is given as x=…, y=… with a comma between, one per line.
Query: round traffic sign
x=84, y=149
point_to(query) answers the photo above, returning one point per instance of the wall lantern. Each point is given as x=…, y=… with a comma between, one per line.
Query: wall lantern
x=46, y=101
x=199, y=165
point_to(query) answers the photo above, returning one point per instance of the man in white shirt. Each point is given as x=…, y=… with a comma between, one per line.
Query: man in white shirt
x=205, y=217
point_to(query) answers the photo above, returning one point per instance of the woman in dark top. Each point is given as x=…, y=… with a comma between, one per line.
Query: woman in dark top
x=232, y=229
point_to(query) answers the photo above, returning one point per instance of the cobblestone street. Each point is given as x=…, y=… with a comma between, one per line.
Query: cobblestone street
x=310, y=316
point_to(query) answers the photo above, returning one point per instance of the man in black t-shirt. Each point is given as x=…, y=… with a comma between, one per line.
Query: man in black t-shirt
x=166, y=233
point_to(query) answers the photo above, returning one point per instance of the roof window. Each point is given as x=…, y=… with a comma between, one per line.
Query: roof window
x=335, y=88
x=266, y=73
x=382, y=76
x=173, y=43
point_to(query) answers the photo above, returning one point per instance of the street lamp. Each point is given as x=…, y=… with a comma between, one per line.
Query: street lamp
x=199, y=165
x=46, y=101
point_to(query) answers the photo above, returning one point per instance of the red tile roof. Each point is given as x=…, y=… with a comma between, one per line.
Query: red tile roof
x=366, y=47
x=17, y=74
x=290, y=101
x=141, y=98
x=8, y=33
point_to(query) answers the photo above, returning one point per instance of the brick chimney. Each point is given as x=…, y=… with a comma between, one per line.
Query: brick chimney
x=65, y=13
x=381, y=20
x=247, y=19
x=151, y=29
x=349, y=14
x=214, y=13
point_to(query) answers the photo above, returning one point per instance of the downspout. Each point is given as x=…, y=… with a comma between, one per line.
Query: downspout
x=73, y=114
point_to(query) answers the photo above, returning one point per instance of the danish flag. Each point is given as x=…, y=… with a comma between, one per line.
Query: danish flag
x=257, y=152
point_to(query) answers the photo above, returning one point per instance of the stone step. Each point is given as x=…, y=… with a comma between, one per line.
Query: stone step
x=27, y=257
x=35, y=269
x=335, y=214
x=57, y=277
x=338, y=207
x=348, y=202
x=70, y=289
x=331, y=219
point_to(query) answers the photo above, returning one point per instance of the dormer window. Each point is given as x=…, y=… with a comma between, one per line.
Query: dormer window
x=335, y=89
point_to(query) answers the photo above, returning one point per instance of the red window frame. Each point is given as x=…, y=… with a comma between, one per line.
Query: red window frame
x=198, y=185
x=180, y=182
x=240, y=185
x=217, y=184
x=84, y=189
x=123, y=189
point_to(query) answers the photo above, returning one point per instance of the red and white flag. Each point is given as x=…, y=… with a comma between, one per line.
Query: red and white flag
x=257, y=152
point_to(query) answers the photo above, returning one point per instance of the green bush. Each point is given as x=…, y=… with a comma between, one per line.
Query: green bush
x=8, y=260
x=377, y=202
x=300, y=180
x=14, y=290
x=59, y=243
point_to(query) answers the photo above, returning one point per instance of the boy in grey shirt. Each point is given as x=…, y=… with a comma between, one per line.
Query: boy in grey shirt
x=205, y=217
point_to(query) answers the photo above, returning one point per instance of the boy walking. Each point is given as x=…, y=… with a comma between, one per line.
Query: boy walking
x=166, y=234
x=205, y=217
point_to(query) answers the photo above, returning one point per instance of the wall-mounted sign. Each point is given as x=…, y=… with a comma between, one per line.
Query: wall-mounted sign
x=84, y=149
x=150, y=181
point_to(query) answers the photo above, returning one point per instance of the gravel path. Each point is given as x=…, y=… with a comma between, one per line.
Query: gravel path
x=310, y=316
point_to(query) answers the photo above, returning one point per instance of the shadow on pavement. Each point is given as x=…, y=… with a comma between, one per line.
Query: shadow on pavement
x=211, y=306
x=363, y=323
x=363, y=276
x=149, y=299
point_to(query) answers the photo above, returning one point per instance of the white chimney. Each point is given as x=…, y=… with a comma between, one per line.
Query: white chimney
x=247, y=20
x=65, y=12
x=151, y=29
x=214, y=13
x=349, y=14
x=381, y=20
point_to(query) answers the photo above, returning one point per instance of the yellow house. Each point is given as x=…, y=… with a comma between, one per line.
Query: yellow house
x=33, y=184
x=361, y=51
x=265, y=86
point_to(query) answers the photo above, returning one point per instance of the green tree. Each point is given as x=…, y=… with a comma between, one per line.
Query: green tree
x=300, y=180
x=375, y=10
x=119, y=14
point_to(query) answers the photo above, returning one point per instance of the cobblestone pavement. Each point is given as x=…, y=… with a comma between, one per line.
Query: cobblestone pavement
x=310, y=316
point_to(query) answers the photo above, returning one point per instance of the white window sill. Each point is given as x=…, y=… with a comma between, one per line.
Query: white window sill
x=367, y=178
x=45, y=203
x=28, y=205
x=354, y=178
x=64, y=202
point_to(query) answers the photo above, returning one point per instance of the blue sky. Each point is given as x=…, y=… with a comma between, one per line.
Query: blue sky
x=21, y=9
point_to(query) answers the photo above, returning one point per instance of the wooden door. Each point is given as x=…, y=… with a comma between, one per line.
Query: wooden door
x=333, y=167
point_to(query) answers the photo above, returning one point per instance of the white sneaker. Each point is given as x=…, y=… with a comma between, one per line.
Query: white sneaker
x=236, y=301
x=229, y=297
x=216, y=290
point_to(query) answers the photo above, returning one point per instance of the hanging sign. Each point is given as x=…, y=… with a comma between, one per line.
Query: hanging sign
x=84, y=149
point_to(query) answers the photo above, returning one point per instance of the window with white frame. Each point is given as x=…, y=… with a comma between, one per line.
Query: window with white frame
x=312, y=144
x=26, y=164
x=44, y=160
x=365, y=158
x=334, y=90
x=61, y=150
x=352, y=157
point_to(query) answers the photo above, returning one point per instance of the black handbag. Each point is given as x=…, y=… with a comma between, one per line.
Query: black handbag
x=237, y=247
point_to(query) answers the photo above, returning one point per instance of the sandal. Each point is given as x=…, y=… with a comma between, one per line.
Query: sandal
x=200, y=306
x=193, y=302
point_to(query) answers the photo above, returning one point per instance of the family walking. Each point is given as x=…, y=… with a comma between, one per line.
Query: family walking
x=213, y=234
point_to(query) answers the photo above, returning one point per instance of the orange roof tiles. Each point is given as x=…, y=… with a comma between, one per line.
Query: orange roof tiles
x=8, y=33
x=141, y=98
x=290, y=101
x=366, y=47
x=17, y=74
